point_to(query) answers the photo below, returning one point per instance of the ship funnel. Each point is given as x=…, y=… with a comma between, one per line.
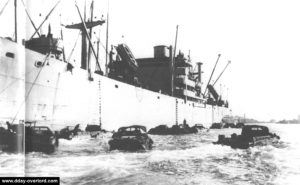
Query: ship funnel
x=161, y=52
x=199, y=64
x=49, y=31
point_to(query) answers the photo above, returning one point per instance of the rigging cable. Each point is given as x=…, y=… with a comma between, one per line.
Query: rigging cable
x=33, y=83
x=14, y=81
x=45, y=19
x=37, y=31
x=2, y=10
x=87, y=35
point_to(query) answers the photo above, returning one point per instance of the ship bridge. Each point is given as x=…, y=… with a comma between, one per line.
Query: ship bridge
x=46, y=44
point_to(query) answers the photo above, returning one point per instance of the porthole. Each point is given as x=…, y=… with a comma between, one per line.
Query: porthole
x=116, y=86
x=38, y=64
x=10, y=55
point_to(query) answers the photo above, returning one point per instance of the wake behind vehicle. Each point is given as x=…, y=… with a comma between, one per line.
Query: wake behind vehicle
x=251, y=135
x=132, y=138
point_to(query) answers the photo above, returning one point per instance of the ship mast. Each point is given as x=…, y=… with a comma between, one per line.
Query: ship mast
x=16, y=24
x=106, y=47
x=175, y=45
x=173, y=63
x=84, y=42
x=90, y=34
x=83, y=26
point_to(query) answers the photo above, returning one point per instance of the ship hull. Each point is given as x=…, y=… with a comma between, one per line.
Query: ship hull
x=54, y=96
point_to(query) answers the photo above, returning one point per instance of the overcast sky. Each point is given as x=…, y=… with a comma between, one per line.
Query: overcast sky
x=260, y=37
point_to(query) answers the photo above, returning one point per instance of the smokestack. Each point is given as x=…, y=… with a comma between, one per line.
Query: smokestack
x=199, y=71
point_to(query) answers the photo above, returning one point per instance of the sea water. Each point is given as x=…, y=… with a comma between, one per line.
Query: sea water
x=186, y=159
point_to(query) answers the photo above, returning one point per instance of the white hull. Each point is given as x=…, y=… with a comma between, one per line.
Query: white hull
x=56, y=97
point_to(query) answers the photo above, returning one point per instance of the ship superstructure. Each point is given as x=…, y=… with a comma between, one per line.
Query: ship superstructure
x=38, y=83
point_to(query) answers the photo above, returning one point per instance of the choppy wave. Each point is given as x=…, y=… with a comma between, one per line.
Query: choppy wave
x=188, y=159
x=11, y=164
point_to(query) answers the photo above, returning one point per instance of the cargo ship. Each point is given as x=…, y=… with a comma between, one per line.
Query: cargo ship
x=38, y=83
